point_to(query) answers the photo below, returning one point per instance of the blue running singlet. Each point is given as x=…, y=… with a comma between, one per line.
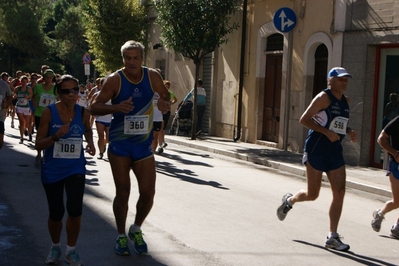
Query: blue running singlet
x=66, y=156
x=335, y=117
x=131, y=134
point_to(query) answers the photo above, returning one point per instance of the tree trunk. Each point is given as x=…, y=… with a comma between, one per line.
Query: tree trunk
x=194, y=117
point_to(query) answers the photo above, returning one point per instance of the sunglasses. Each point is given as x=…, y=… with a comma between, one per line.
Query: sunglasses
x=68, y=91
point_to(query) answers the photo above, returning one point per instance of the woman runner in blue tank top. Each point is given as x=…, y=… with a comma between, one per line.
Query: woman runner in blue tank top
x=60, y=135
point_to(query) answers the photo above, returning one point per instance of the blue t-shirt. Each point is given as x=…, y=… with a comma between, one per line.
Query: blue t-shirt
x=201, y=96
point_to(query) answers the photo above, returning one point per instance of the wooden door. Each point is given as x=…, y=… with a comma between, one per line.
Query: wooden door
x=272, y=97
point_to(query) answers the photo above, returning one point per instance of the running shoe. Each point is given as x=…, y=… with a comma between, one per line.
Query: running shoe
x=395, y=232
x=159, y=150
x=284, y=207
x=140, y=246
x=377, y=220
x=73, y=259
x=121, y=247
x=53, y=257
x=164, y=145
x=336, y=243
x=21, y=141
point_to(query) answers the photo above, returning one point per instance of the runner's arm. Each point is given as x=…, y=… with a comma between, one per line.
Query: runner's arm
x=108, y=91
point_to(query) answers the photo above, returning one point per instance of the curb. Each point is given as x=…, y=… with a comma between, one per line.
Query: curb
x=285, y=167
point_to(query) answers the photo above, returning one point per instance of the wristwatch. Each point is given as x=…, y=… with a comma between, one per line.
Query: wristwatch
x=54, y=137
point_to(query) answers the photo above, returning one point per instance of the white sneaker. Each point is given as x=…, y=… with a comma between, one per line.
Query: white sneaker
x=377, y=220
x=53, y=257
x=73, y=258
x=395, y=232
x=284, y=207
x=159, y=150
x=336, y=243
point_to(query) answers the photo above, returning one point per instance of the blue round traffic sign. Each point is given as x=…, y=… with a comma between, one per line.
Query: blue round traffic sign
x=284, y=19
x=86, y=58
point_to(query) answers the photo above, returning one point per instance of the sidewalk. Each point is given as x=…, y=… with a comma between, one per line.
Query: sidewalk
x=365, y=179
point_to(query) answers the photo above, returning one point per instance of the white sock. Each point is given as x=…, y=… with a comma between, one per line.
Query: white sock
x=55, y=245
x=121, y=235
x=289, y=201
x=332, y=234
x=395, y=225
x=135, y=228
x=69, y=249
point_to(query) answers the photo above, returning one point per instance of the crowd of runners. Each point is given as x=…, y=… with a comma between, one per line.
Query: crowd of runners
x=32, y=92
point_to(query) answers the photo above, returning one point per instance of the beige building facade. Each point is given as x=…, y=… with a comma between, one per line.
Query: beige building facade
x=283, y=71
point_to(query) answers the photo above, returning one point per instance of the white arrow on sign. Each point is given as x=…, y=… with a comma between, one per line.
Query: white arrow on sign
x=284, y=23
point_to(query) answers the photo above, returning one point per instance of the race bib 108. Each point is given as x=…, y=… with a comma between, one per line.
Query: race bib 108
x=69, y=148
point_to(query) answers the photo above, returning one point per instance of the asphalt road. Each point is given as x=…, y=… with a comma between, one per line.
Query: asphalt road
x=209, y=210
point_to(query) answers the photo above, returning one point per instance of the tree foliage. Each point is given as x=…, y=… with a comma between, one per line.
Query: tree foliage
x=195, y=28
x=110, y=23
x=21, y=33
x=70, y=44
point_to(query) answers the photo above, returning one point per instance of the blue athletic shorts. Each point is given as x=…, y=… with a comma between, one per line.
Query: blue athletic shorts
x=136, y=152
x=393, y=167
x=324, y=163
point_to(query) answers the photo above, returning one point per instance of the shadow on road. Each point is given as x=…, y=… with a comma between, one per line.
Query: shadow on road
x=350, y=255
x=185, y=161
x=186, y=175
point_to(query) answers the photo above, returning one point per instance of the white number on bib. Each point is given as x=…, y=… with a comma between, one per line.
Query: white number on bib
x=339, y=124
x=46, y=99
x=136, y=124
x=67, y=148
x=22, y=101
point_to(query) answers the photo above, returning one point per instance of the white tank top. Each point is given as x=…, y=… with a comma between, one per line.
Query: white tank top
x=157, y=114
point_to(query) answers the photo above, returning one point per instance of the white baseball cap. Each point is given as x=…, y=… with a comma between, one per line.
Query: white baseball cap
x=338, y=72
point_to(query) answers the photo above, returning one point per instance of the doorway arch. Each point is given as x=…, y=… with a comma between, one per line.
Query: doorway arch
x=320, y=69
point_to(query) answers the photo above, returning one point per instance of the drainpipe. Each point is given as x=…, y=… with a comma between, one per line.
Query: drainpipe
x=288, y=88
x=237, y=133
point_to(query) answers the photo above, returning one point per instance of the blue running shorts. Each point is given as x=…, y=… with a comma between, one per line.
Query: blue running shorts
x=324, y=163
x=136, y=151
